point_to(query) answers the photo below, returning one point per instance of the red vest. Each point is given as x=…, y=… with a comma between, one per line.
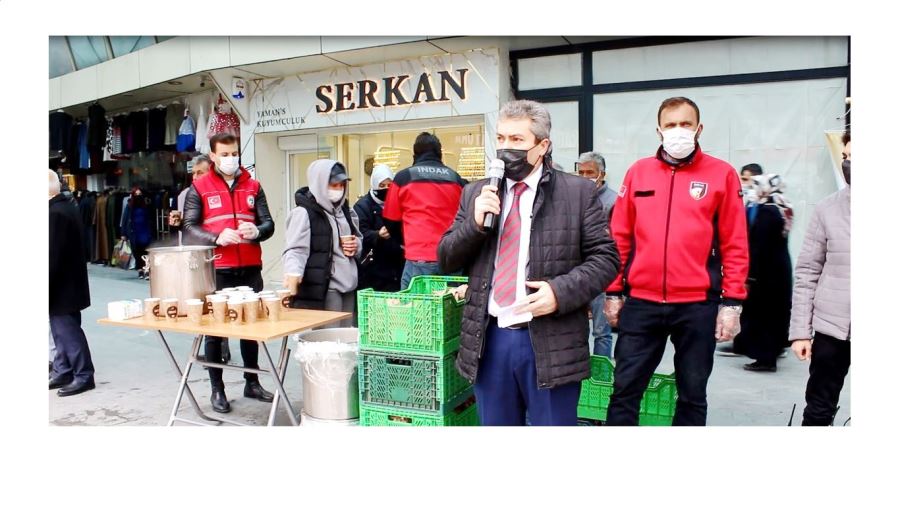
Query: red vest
x=225, y=208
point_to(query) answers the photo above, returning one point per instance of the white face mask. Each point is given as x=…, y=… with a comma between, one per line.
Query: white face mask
x=227, y=165
x=679, y=142
x=335, y=196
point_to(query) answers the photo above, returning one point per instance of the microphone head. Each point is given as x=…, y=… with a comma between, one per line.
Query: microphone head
x=496, y=169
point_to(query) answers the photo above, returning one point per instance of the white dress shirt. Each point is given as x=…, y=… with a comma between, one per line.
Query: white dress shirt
x=526, y=205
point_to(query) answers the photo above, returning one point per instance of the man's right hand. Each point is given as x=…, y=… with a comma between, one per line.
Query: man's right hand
x=612, y=308
x=487, y=202
x=228, y=237
x=802, y=348
x=384, y=234
x=292, y=283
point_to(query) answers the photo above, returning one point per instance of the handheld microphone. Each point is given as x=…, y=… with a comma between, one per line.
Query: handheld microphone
x=495, y=173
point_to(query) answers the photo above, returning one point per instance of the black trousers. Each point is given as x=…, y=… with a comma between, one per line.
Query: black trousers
x=73, y=355
x=230, y=278
x=644, y=328
x=828, y=367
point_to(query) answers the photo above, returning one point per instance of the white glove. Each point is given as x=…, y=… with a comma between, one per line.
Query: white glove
x=728, y=323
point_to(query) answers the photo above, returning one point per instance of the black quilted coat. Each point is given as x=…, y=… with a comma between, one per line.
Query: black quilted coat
x=570, y=248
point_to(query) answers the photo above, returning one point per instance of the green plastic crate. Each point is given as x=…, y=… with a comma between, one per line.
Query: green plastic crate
x=414, y=320
x=409, y=381
x=657, y=405
x=464, y=414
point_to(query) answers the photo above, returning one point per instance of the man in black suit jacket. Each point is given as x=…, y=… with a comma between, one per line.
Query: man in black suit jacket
x=73, y=370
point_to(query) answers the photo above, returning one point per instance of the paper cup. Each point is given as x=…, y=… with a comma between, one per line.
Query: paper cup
x=169, y=307
x=272, y=307
x=195, y=310
x=151, y=309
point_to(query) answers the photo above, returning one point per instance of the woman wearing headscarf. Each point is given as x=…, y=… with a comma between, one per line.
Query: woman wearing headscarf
x=767, y=310
x=382, y=262
x=136, y=228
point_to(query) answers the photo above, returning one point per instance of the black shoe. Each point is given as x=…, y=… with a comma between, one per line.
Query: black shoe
x=219, y=402
x=60, y=381
x=253, y=390
x=760, y=367
x=76, y=387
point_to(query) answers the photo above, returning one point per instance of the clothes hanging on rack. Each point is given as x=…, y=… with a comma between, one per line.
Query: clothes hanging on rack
x=186, y=135
x=84, y=156
x=102, y=248
x=86, y=209
x=60, y=126
x=156, y=129
x=202, y=141
x=108, y=145
x=174, y=118
x=224, y=123
x=118, y=123
x=96, y=137
x=137, y=132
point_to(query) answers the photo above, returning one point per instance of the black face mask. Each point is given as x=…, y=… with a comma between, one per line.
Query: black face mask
x=516, y=160
x=380, y=194
x=845, y=167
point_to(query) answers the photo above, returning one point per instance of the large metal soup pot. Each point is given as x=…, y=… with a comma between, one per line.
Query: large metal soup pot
x=182, y=272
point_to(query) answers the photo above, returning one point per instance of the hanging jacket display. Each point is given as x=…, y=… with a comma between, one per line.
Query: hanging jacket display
x=186, y=139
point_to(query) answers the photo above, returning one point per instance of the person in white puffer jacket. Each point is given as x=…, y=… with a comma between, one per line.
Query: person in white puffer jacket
x=820, y=316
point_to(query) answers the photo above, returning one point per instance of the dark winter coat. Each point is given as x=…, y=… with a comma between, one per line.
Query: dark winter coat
x=69, y=290
x=570, y=249
x=384, y=268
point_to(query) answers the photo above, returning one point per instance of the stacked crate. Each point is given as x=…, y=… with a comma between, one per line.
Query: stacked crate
x=657, y=405
x=408, y=343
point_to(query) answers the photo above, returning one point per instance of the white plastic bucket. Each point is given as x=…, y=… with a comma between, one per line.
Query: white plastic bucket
x=328, y=363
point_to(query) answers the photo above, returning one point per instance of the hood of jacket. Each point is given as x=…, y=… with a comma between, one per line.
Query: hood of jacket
x=318, y=174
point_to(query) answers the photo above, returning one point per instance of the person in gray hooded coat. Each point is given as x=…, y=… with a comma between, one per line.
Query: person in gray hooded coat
x=319, y=268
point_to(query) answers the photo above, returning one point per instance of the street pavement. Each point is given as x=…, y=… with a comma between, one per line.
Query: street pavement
x=136, y=383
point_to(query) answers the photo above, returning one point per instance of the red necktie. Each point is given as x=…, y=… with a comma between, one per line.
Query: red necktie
x=508, y=260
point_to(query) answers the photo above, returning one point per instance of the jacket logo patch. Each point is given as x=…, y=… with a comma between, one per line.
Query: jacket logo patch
x=214, y=201
x=698, y=190
x=250, y=201
x=622, y=191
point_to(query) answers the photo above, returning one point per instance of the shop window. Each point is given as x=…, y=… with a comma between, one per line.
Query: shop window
x=60, y=57
x=564, y=133
x=129, y=44
x=549, y=72
x=88, y=51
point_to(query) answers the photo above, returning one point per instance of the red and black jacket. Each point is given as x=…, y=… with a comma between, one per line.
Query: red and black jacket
x=681, y=231
x=211, y=206
x=424, y=198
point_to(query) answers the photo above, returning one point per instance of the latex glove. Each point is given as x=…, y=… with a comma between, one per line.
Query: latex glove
x=248, y=230
x=228, y=237
x=612, y=308
x=802, y=348
x=728, y=323
x=542, y=302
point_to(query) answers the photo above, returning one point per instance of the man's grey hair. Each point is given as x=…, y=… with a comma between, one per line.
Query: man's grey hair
x=593, y=156
x=536, y=112
x=201, y=159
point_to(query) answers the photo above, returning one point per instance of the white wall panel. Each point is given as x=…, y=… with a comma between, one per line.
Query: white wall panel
x=119, y=75
x=54, y=94
x=246, y=50
x=78, y=87
x=209, y=53
x=718, y=57
x=165, y=61
x=550, y=72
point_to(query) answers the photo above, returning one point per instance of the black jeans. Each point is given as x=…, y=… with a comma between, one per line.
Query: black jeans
x=229, y=278
x=828, y=367
x=644, y=328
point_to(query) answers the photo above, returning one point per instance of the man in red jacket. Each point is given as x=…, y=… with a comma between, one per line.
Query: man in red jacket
x=227, y=208
x=680, y=227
